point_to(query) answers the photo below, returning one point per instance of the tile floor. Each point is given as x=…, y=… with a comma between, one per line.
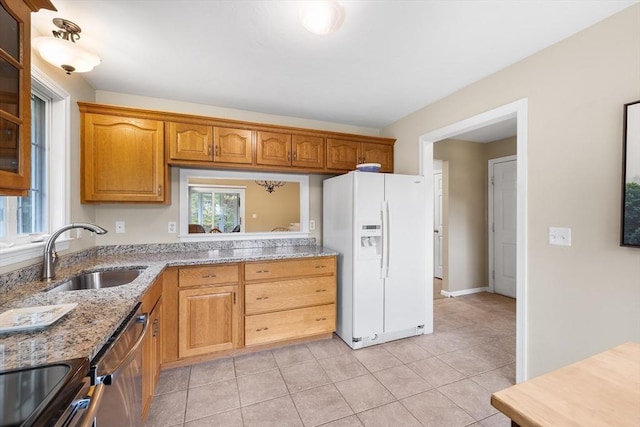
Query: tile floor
x=442, y=379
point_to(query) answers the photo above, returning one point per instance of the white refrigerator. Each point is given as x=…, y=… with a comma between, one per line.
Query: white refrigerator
x=378, y=224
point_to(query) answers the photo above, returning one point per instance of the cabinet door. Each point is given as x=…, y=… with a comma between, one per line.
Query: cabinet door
x=122, y=159
x=232, y=145
x=378, y=153
x=273, y=149
x=342, y=154
x=308, y=151
x=151, y=358
x=189, y=141
x=208, y=320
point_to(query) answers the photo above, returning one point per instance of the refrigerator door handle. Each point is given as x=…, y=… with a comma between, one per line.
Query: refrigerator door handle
x=388, y=240
x=384, y=270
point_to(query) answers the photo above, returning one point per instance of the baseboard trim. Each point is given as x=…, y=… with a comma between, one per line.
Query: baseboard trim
x=464, y=292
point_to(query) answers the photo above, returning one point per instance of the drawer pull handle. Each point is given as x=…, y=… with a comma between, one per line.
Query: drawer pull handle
x=208, y=276
x=261, y=329
x=261, y=298
x=262, y=271
x=321, y=319
x=321, y=266
x=321, y=290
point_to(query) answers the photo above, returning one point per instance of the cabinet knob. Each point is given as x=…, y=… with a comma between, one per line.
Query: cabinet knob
x=217, y=150
x=159, y=190
x=262, y=271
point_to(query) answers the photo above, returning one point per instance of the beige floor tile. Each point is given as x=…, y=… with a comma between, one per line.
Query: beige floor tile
x=321, y=405
x=433, y=409
x=261, y=386
x=351, y=421
x=292, y=354
x=376, y=358
x=468, y=395
x=212, y=372
x=174, y=379
x=342, y=367
x=406, y=350
x=435, y=371
x=328, y=348
x=365, y=392
x=391, y=415
x=253, y=363
x=167, y=409
x=492, y=354
x=304, y=376
x=436, y=343
x=402, y=382
x=496, y=420
x=506, y=343
x=212, y=399
x=231, y=418
x=278, y=412
x=466, y=363
x=497, y=379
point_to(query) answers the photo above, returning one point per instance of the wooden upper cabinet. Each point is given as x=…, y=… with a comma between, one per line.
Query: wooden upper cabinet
x=273, y=149
x=378, y=153
x=308, y=151
x=283, y=149
x=232, y=145
x=345, y=154
x=189, y=141
x=123, y=160
x=15, y=94
x=342, y=154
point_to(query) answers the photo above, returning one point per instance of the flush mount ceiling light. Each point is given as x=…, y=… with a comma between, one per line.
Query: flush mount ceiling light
x=322, y=16
x=62, y=51
x=270, y=186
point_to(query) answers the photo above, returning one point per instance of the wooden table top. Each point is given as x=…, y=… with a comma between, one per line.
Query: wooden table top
x=603, y=390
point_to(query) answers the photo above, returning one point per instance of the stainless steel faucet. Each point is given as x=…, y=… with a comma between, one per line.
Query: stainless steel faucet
x=50, y=255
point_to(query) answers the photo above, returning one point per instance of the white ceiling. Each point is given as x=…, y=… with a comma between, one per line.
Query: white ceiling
x=389, y=59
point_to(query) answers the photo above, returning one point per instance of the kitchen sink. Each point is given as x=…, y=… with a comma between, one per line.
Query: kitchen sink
x=99, y=279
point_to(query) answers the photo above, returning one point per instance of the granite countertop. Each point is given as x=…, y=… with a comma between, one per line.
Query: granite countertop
x=84, y=330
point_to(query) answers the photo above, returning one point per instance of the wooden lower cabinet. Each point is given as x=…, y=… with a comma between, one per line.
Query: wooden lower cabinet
x=152, y=345
x=289, y=324
x=208, y=320
x=221, y=309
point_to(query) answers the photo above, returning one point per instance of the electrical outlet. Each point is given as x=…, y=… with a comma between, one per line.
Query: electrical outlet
x=312, y=224
x=119, y=226
x=171, y=227
x=560, y=236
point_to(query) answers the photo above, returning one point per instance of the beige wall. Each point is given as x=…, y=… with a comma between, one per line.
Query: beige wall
x=585, y=298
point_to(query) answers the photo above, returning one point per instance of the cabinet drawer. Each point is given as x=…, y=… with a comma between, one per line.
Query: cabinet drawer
x=289, y=268
x=284, y=295
x=283, y=325
x=210, y=275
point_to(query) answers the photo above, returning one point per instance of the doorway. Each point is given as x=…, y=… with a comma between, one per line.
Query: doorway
x=517, y=110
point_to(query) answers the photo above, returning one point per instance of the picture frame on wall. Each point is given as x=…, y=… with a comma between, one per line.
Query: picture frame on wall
x=630, y=223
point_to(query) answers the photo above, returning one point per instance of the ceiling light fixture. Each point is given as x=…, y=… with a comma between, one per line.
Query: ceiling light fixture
x=62, y=51
x=322, y=16
x=270, y=186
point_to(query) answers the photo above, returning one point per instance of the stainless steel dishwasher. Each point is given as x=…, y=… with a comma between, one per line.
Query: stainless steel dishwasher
x=119, y=367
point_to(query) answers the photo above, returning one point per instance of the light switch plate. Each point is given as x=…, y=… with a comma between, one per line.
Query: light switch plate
x=560, y=236
x=119, y=226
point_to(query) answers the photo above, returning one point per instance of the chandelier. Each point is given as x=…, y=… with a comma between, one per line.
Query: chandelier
x=270, y=186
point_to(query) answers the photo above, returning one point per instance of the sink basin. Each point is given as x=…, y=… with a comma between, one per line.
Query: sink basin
x=99, y=279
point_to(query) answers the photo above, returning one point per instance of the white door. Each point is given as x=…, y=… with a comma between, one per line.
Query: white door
x=438, y=236
x=503, y=175
x=406, y=286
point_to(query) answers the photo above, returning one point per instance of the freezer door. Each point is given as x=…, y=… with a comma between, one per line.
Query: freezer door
x=406, y=285
x=368, y=285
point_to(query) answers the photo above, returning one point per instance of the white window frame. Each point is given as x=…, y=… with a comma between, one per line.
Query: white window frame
x=58, y=149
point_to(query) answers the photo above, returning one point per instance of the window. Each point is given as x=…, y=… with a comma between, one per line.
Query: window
x=46, y=207
x=20, y=216
x=220, y=209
